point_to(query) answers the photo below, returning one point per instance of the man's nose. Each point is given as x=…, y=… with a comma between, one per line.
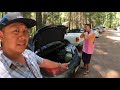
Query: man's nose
x=22, y=36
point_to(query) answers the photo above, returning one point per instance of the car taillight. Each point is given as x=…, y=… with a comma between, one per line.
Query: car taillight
x=54, y=71
x=77, y=39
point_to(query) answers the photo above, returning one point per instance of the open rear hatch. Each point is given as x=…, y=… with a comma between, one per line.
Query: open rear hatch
x=48, y=35
x=49, y=44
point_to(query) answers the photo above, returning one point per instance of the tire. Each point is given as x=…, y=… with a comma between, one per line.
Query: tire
x=74, y=72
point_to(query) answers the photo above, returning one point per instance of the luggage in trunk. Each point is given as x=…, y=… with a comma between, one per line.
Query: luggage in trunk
x=59, y=52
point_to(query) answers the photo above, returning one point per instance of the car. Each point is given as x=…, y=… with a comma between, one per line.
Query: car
x=100, y=28
x=96, y=31
x=81, y=30
x=104, y=29
x=73, y=36
x=114, y=28
x=48, y=42
x=118, y=28
x=77, y=30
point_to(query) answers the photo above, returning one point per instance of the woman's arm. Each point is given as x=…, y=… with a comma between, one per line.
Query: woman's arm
x=82, y=35
x=89, y=36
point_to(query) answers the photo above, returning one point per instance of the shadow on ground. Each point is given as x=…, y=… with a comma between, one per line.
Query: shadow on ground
x=106, y=58
x=105, y=62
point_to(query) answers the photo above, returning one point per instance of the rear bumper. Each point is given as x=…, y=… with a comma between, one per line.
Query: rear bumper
x=79, y=47
x=68, y=73
x=78, y=43
x=97, y=35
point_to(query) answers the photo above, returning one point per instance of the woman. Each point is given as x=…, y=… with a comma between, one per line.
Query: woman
x=88, y=46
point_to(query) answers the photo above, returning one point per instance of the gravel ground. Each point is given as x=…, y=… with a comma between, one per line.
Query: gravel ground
x=105, y=62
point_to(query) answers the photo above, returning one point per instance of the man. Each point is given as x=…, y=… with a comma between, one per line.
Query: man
x=15, y=60
x=88, y=46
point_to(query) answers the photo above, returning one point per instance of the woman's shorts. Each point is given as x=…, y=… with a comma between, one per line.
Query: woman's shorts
x=86, y=57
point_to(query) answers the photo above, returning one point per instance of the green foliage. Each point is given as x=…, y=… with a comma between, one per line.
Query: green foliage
x=72, y=19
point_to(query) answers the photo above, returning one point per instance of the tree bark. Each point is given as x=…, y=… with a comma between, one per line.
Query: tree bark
x=52, y=19
x=44, y=18
x=69, y=20
x=38, y=20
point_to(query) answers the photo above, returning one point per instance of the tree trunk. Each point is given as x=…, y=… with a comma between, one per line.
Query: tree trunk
x=69, y=21
x=77, y=20
x=38, y=20
x=44, y=18
x=81, y=18
x=60, y=20
x=110, y=20
x=85, y=19
x=72, y=20
x=52, y=19
x=3, y=13
x=25, y=14
x=90, y=22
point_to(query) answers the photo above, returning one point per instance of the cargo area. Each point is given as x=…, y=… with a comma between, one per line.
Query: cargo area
x=60, y=52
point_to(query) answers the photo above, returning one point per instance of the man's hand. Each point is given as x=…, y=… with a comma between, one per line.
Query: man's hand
x=51, y=64
x=64, y=65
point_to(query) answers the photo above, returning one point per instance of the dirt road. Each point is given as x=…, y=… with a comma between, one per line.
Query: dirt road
x=105, y=62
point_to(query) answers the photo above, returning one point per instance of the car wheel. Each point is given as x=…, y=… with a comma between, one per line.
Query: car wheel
x=75, y=71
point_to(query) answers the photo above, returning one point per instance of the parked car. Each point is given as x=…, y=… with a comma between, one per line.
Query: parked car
x=49, y=43
x=96, y=31
x=81, y=30
x=104, y=28
x=73, y=36
x=78, y=30
x=100, y=28
x=115, y=28
x=118, y=28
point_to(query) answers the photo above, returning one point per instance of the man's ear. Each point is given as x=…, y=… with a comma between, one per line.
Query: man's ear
x=1, y=35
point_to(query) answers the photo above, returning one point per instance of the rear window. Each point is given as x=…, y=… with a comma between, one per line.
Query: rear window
x=75, y=31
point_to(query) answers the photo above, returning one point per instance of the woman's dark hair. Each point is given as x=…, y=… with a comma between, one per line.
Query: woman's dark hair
x=88, y=25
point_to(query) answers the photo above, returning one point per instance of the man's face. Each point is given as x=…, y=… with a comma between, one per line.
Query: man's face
x=87, y=28
x=15, y=38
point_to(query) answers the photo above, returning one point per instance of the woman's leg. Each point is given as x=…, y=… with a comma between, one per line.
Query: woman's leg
x=88, y=67
x=88, y=62
x=85, y=65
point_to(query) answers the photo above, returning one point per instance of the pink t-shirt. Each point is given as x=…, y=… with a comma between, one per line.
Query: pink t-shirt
x=88, y=46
